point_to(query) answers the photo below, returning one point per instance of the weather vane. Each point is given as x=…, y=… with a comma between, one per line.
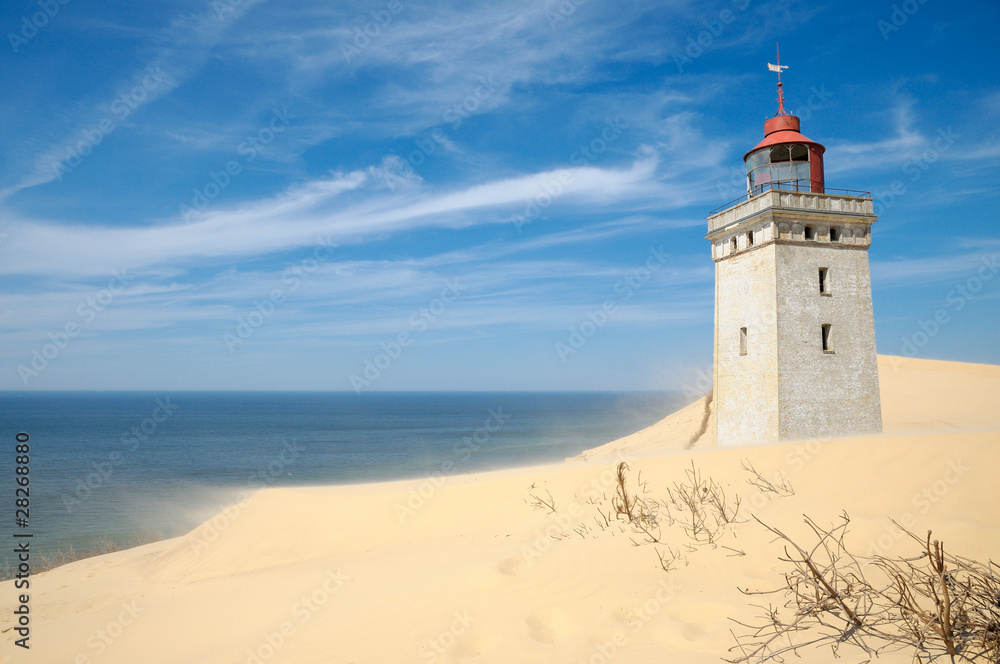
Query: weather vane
x=778, y=67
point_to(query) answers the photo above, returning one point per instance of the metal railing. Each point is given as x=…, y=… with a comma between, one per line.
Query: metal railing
x=790, y=185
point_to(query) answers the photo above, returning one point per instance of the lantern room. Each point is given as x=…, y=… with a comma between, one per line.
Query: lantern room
x=785, y=159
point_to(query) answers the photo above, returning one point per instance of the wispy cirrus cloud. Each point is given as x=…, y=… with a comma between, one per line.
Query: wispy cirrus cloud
x=894, y=150
x=930, y=269
x=178, y=51
x=317, y=209
x=349, y=170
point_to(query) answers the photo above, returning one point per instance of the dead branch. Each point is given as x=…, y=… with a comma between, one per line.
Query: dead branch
x=670, y=558
x=540, y=503
x=935, y=603
x=622, y=501
x=782, y=488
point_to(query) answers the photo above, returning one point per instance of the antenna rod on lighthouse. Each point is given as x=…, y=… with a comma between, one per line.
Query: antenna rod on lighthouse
x=777, y=68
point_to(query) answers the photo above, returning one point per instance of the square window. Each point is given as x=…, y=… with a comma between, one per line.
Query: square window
x=743, y=341
x=827, y=348
x=824, y=281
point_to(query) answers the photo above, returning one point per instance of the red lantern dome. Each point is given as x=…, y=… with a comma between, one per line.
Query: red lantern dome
x=785, y=159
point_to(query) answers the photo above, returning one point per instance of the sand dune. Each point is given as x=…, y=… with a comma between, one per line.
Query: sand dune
x=926, y=395
x=918, y=396
x=471, y=571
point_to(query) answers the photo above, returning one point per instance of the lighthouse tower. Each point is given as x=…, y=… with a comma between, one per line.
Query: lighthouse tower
x=794, y=329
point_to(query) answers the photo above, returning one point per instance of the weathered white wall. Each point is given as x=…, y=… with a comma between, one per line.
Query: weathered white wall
x=746, y=387
x=821, y=393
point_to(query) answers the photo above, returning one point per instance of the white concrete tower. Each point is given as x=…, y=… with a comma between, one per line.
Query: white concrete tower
x=794, y=329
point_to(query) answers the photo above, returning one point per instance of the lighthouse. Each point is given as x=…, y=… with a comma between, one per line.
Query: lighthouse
x=794, y=327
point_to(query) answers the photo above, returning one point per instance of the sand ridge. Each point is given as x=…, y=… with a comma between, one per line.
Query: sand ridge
x=918, y=396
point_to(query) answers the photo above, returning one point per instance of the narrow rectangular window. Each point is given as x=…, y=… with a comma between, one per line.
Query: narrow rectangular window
x=824, y=281
x=743, y=341
x=827, y=348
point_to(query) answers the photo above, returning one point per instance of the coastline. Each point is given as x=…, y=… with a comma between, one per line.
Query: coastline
x=96, y=480
x=476, y=567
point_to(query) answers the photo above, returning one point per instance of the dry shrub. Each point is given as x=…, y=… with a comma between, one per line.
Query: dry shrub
x=643, y=515
x=699, y=505
x=623, y=503
x=705, y=509
x=937, y=604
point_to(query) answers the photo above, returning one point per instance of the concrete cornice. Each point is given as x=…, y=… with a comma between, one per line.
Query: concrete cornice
x=785, y=205
x=803, y=243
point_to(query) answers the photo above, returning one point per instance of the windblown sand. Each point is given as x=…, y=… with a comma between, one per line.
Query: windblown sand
x=471, y=571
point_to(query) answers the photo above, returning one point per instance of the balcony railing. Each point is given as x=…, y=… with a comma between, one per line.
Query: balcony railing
x=790, y=185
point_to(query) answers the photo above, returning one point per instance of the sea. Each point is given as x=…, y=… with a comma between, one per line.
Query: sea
x=122, y=465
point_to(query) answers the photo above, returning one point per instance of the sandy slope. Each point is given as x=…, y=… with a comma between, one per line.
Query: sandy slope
x=470, y=571
x=918, y=396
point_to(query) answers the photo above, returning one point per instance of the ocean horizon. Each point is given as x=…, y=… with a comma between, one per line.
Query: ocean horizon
x=113, y=464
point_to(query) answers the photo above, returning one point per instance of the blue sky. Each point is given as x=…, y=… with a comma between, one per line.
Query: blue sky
x=243, y=194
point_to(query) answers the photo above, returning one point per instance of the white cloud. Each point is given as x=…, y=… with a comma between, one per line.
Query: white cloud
x=927, y=269
x=300, y=216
